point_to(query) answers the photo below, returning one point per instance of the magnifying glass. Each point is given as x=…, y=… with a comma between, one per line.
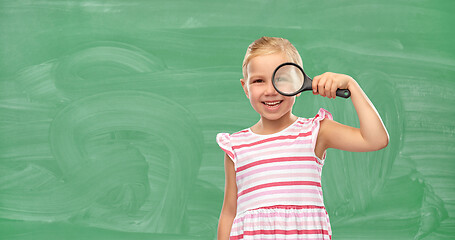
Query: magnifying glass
x=289, y=79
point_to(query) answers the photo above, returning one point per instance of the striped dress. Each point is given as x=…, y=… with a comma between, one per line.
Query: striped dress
x=279, y=182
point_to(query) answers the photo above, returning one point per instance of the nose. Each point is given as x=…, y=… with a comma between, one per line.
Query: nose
x=270, y=90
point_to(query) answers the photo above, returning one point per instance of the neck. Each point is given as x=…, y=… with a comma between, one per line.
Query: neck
x=267, y=126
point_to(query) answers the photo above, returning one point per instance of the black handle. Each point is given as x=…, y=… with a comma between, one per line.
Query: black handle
x=344, y=93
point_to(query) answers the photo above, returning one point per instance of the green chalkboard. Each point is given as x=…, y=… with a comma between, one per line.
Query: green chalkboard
x=109, y=112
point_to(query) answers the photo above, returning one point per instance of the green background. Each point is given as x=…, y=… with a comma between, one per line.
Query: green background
x=109, y=112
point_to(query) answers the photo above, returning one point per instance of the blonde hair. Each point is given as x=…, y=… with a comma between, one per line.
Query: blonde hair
x=270, y=45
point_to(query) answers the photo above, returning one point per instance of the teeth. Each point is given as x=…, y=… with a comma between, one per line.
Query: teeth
x=272, y=103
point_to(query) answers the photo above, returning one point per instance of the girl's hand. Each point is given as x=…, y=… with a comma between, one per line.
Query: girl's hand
x=327, y=84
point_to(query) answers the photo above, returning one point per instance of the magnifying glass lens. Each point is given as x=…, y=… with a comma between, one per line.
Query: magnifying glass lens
x=288, y=79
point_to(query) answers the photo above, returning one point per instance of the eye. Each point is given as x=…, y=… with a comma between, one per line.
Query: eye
x=257, y=81
x=281, y=79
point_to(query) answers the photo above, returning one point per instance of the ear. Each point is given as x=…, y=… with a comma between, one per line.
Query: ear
x=245, y=87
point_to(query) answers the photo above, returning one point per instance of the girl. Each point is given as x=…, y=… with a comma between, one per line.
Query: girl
x=273, y=169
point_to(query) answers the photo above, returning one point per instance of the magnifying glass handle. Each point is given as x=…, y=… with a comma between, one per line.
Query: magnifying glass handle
x=344, y=93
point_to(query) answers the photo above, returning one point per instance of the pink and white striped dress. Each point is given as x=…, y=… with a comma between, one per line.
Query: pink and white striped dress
x=279, y=182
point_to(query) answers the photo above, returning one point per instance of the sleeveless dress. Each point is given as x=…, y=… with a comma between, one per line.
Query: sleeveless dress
x=278, y=176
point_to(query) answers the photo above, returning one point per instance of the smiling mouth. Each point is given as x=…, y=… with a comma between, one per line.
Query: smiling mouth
x=272, y=104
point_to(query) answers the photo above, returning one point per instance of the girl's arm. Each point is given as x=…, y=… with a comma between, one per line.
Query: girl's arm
x=372, y=134
x=229, y=209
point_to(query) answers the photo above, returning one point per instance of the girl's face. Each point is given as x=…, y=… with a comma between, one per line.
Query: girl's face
x=259, y=89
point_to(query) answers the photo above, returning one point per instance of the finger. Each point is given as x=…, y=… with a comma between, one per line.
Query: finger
x=314, y=84
x=321, y=86
x=334, y=91
x=328, y=87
